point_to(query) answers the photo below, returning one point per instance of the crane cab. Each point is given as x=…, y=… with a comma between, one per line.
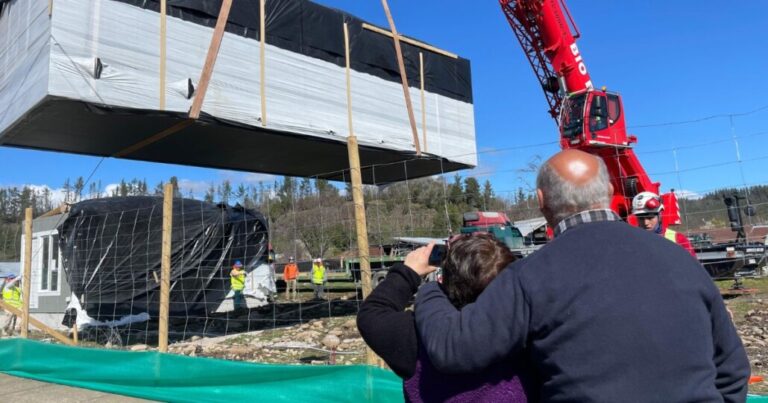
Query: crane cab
x=593, y=118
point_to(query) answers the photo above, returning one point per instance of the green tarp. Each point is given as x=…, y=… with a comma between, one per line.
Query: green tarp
x=176, y=378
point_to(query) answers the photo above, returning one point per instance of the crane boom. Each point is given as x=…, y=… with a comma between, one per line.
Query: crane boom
x=591, y=120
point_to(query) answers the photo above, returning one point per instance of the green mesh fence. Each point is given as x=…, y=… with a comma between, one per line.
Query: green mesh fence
x=174, y=378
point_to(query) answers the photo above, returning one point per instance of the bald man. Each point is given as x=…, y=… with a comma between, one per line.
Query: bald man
x=604, y=312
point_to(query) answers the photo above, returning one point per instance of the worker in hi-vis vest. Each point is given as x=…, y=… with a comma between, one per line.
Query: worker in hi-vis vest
x=237, y=281
x=647, y=207
x=317, y=277
x=291, y=278
x=11, y=296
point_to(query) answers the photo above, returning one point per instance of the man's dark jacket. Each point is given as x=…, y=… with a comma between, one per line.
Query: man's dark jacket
x=606, y=312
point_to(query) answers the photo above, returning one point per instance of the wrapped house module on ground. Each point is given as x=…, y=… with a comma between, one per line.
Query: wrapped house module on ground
x=102, y=258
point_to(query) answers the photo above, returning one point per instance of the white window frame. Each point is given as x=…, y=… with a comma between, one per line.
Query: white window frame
x=37, y=264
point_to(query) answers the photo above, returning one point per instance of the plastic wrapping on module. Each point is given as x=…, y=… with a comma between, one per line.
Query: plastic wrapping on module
x=111, y=253
x=86, y=79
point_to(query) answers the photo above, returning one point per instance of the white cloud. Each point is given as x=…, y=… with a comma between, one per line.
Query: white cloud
x=112, y=187
x=688, y=194
x=196, y=187
x=247, y=178
x=57, y=195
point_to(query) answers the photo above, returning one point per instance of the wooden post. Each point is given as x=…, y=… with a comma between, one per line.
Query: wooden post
x=423, y=102
x=403, y=77
x=210, y=59
x=75, y=337
x=262, y=62
x=162, y=52
x=410, y=41
x=357, y=197
x=26, y=279
x=165, y=267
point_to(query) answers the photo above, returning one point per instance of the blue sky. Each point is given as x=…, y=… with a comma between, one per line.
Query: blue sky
x=672, y=61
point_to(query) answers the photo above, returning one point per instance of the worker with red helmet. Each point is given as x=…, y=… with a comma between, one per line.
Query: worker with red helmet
x=647, y=207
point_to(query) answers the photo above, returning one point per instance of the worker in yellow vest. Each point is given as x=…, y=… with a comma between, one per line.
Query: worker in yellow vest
x=237, y=282
x=11, y=296
x=317, y=277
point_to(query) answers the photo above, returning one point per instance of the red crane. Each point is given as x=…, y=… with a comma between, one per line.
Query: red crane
x=590, y=119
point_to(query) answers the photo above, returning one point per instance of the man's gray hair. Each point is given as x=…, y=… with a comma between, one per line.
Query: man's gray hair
x=563, y=198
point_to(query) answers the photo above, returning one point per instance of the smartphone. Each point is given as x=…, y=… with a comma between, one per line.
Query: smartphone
x=437, y=255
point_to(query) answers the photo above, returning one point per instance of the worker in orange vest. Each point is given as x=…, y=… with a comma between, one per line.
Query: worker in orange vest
x=647, y=207
x=291, y=276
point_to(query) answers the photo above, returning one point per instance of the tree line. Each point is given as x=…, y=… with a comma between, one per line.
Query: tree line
x=313, y=217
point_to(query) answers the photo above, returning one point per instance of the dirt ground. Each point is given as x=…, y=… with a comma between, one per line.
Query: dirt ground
x=750, y=314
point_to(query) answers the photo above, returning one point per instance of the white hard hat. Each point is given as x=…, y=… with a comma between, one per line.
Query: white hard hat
x=647, y=203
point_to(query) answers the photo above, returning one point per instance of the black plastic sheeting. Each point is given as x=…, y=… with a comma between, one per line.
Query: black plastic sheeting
x=308, y=28
x=111, y=252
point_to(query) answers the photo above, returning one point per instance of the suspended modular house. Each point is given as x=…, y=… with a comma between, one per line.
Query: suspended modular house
x=85, y=76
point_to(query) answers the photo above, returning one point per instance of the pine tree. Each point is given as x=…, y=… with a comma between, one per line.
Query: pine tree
x=472, y=192
x=67, y=188
x=225, y=191
x=175, y=183
x=455, y=193
x=92, y=190
x=241, y=194
x=124, y=188
x=79, y=186
x=210, y=194
x=487, y=194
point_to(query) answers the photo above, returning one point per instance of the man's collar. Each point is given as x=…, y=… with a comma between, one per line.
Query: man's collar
x=585, y=217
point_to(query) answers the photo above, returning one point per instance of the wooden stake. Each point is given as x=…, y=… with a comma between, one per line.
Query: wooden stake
x=162, y=52
x=356, y=179
x=165, y=267
x=26, y=279
x=262, y=62
x=36, y=323
x=357, y=196
x=410, y=41
x=50, y=8
x=423, y=103
x=349, y=82
x=210, y=60
x=63, y=208
x=403, y=77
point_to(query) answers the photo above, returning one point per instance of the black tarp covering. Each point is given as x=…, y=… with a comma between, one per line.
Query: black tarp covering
x=111, y=251
x=314, y=30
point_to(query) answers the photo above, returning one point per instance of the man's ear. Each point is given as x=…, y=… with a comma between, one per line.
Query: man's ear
x=540, y=198
x=610, y=189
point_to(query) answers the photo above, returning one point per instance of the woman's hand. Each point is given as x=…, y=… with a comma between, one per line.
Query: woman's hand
x=418, y=260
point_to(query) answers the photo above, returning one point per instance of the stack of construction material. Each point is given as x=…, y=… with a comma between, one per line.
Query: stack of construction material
x=89, y=77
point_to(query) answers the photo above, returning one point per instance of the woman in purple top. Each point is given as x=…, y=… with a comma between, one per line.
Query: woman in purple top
x=389, y=329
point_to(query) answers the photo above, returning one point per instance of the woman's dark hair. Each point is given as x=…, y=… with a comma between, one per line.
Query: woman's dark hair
x=472, y=262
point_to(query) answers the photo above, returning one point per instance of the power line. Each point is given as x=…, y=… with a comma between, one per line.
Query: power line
x=702, y=119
